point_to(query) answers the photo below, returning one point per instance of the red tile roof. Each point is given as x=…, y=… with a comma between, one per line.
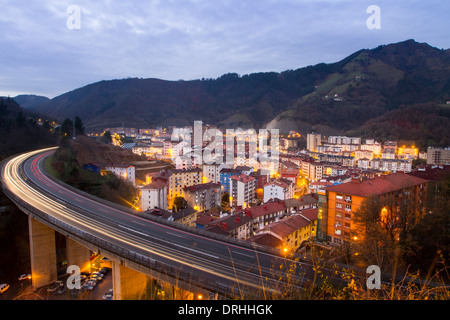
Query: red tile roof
x=242, y=178
x=432, y=172
x=266, y=239
x=158, y=184
x=267, y=208
x=285, y=227
x=377, y=186
x=310, y=214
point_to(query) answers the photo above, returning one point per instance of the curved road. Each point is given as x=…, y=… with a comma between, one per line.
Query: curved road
x=228, y=264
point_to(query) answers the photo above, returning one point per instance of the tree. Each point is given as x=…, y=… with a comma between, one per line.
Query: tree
x=373, y=240
x=428, y=241
x=179, y=203
x=67, y=127
x=106, y=137
x=79, y=128
x=20, y=119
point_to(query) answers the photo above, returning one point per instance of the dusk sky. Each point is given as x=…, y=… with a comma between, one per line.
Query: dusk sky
x=47, y=49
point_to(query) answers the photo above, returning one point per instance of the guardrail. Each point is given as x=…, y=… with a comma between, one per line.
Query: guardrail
x=144, y=262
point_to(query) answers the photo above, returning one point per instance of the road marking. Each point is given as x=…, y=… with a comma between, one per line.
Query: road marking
x=174, y=234
x=200, y=252
x=144, y=234
x=243, y=254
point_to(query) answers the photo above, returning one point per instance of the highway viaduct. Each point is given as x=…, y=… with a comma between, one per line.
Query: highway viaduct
x=190, y=260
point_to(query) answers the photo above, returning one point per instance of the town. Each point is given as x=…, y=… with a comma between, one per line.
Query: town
x=310, y=196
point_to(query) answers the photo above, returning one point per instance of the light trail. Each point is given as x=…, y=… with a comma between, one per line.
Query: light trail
x=138, y=241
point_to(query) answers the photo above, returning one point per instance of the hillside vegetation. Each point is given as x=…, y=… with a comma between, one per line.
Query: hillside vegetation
x=341, y=96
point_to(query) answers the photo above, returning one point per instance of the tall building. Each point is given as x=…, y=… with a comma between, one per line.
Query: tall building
x=440, y=156
x=154, y=196
x=242, y=190
x=203, y=196
x=337, y=204
x=180, y=179
x=313, y=140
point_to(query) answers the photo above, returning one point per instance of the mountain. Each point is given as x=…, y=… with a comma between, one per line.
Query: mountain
x=31, y=101
x=19, y=131
x=335, y=97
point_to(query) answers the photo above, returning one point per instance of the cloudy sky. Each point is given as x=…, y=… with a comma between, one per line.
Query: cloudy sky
x=51, y=47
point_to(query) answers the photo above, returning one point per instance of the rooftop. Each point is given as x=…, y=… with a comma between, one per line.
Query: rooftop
x=431, y=172
x=157, y=184
x=202, y=186
x=242, y=178
x=266, y=208
x=285, y=227
x=377, y=186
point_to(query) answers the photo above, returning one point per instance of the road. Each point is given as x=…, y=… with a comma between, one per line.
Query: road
x=227, y=264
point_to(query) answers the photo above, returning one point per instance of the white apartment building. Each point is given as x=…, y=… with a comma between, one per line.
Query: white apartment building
x=278, y=190
x=313, y=140
x=344, y=140
x=153, y=196
x=242, y=190
x=391, y=165
x=125, y=172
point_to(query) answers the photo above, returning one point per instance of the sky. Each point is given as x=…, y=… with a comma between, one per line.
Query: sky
x=52, y=47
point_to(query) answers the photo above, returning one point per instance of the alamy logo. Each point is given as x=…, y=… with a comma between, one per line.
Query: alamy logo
x=374, y=21
x=374, y=280
x=74, y=280
x=240, y=146
x=74, y=19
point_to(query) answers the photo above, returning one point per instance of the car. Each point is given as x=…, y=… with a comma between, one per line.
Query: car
x=87, y=286
x=4, y=287
x=55, y=286
x=104, y=270
x=24, y=277
x=91, y=282
x=97, y=275
x=108, y=295
x=61, y=289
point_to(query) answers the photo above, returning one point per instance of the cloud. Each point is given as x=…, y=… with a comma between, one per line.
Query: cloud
x=182, y=39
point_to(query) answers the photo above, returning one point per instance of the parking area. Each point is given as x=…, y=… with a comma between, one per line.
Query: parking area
x=94, y=286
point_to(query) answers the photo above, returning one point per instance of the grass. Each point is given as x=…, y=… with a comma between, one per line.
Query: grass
x=49, y=168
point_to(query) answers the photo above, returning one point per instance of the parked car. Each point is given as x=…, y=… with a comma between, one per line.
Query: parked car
x=105, y=270
x=4, y=287
x=24, y=277
x=97, y=275
x=91, y=282
x=87, y=286
x=55, y=286
x=108, y=295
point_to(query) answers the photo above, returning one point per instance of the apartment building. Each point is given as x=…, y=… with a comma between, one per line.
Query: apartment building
x=154, y=195
x=282, y=189
x=242, y=190
x=440, y=156
x=313, y=140
x=338, y=203
x=180, y=179
x=203, y=196
x=391, y=165
x=294, y=230
x=125, y=172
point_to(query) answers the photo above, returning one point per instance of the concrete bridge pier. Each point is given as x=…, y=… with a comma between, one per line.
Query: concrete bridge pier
x=42, y=253
x=129, y=284
x=77, y=254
